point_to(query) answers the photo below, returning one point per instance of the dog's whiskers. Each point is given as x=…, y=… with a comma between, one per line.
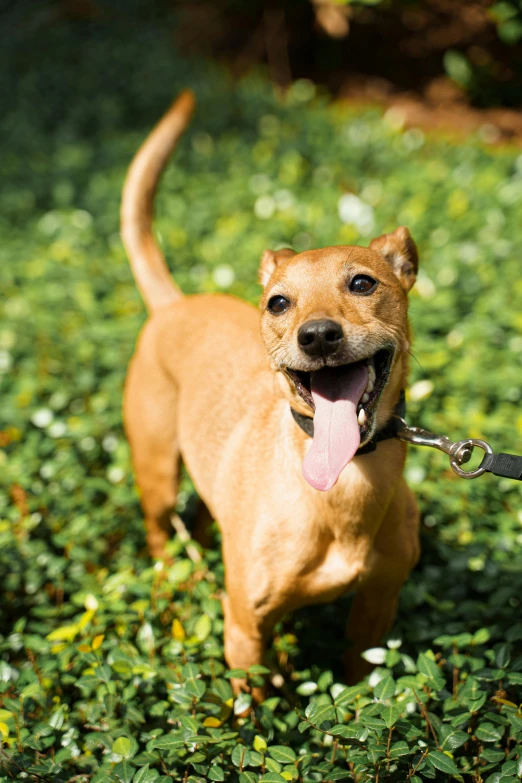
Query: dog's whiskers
x=414, y=358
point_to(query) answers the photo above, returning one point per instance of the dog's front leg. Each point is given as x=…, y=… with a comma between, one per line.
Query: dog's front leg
x=374, y=606
x=372, y=615
x=245, y=638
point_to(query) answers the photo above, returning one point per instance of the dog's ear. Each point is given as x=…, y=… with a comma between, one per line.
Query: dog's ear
x=400, y=252
x=270, y=260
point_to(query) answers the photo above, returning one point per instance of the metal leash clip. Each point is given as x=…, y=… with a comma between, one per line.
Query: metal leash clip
x=459, y=452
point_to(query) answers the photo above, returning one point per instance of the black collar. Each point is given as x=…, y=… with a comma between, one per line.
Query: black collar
x=389, y=430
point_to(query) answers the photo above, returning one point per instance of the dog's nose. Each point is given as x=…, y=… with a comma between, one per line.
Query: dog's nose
x=320, y=338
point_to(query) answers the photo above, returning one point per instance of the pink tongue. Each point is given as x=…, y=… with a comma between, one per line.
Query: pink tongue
x=336, y=393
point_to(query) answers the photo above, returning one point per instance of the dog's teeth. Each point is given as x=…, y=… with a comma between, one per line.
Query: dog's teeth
x=365, y=397
x=369, y=386
x=371, y=373
x=361, y=418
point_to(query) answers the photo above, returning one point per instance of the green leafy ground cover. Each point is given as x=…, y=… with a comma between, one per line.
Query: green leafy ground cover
x=111, y=669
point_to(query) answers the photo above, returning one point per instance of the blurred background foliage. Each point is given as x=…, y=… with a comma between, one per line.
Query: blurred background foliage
x=436, y=48
x=112, y=669
x=444, y=52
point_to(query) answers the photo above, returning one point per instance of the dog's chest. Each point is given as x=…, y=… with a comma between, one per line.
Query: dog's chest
x=305, y=562
x=334, y=568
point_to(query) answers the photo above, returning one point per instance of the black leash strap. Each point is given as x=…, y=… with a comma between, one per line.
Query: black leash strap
x=505, y=465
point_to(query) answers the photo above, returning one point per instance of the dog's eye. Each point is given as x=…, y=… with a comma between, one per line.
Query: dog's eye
x=278, y=305
x=363, y=284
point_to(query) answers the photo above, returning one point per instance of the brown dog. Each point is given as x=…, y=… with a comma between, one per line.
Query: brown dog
x=303, y=520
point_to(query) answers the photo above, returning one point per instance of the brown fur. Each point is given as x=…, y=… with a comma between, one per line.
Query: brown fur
x=207, y=386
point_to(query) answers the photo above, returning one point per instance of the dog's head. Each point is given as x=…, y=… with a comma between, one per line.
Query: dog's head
x=335, y=324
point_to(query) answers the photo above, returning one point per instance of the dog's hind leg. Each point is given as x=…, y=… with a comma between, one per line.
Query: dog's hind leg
x=151, y=427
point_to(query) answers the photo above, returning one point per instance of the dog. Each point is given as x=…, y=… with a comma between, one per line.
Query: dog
x=235, y=397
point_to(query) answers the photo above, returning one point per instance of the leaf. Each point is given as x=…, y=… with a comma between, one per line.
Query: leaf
x=272, y=777
x=399, y=749
x=216, y=772
x=222, y=689
x=189, y=722
x=282, y=754
x=85, y=619
x=65, y=633
x=349, y=695
x=97, y=641
x=241, y=756
x=458, y=67
x=516, y=721
x=390, y=716
x=372, y=722
x=306, y=688
x=57, y=718
x=427, y=666
x=311, y=709
x=258, y=669
x=375, y=655
x=490, y=755
x=240, y=674
x=190, y=671
x=481, y=636
x=177, y=630
x=124, y=771
x=168, y=743
x=451, y=738
x=347, y=732
x=248, y=777
x=385, y=688
x=196, y=688
x=123, y=746
x=256, y=759
x=203, y=627
x=4, y=729
x=180, y=571
x=242, y=703
x=514, y=634
x=259, y=743
x=324, y=712
x=212, y=723
x=503, y=655
x=196, y=739
x=488, y=732
x=145, y=775
x=32, y=691
x=443, y=762
x=145, y=638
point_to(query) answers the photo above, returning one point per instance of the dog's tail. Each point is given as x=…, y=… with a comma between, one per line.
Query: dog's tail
x=137, y=207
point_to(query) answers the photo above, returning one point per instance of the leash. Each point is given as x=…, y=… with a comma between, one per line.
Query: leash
x=459, y=452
